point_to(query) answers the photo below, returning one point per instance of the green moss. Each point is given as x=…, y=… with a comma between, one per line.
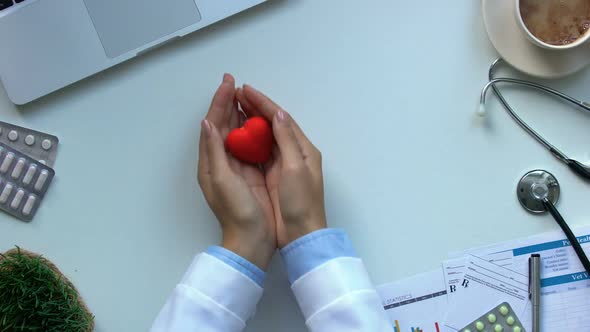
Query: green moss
x=33, y=297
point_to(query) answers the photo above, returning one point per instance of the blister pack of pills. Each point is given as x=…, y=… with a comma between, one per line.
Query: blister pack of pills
x=500, y=319
x=23, y=183
x=35, y=144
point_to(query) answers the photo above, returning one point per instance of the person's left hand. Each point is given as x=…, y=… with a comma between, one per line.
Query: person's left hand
x=294, y=176
x=236, y=192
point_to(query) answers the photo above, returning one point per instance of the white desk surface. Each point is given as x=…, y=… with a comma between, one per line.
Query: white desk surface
x=387, y=90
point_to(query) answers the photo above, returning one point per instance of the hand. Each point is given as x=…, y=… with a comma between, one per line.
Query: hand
x=235, y=191
x=294, y=175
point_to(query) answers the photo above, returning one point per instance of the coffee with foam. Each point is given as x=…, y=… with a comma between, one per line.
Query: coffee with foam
x=556, y=22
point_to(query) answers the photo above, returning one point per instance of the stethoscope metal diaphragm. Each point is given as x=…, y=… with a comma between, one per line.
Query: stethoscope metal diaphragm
x=534, y=187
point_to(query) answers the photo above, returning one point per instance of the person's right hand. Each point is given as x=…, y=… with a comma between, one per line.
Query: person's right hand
x=294, y=175
x=235, y=191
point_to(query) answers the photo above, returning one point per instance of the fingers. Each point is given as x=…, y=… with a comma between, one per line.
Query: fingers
x=203, y=166
x=217, y=160
x=247, y=107
x=256, y=101
x=222, y=103
x=218, y=114
x=229, y=107
x=305, y=143
x=286, y=140
x=234, y=116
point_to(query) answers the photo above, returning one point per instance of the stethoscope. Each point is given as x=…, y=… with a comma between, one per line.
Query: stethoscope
x=538, y=191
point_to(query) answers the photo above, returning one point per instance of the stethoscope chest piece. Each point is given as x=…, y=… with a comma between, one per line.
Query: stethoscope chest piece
x=536, y=186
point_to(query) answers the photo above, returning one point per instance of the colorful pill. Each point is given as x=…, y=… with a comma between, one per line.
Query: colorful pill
x=498, y=328
x=517, y=329
x=504, y=310
x=510, y=320
x=479, y=326
x=492, y=318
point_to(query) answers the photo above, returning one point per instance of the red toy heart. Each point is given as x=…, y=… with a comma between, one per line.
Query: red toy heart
x=251, y=143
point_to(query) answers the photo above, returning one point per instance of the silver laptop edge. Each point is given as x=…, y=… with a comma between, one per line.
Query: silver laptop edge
x=46, y=45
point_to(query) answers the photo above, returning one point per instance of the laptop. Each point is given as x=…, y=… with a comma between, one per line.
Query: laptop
x=46, y=45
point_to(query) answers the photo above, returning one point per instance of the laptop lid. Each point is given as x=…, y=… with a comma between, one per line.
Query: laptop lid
x=125, y=25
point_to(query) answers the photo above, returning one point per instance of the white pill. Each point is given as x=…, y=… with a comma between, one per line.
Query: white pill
x=29, y=205
x=17, y=199
x=18, y=168
x=29, y=174
x=46, y=144
x=5, y=193
x=42, y=162
x=6, y=162
x=41, y=180
x=13, y=135
x=30, y=140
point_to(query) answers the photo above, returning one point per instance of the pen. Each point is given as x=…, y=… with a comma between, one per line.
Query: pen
x=535, y=289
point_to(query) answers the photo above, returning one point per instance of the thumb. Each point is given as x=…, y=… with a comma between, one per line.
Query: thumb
x=286, y=139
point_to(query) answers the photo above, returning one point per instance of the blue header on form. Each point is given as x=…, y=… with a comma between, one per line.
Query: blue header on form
x=564, y=279
x=548, y=246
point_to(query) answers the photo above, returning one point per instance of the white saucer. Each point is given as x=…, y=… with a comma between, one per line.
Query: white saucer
x=510, y=41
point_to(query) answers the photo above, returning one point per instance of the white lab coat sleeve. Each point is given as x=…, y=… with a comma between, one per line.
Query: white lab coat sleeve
x=338, y=296
x=212, y=297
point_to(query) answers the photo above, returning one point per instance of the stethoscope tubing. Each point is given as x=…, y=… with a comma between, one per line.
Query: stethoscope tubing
x=568, y=233
x=492, y=83
x=574, y=165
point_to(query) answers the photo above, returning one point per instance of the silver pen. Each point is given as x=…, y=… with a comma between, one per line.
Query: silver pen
x=535, y=289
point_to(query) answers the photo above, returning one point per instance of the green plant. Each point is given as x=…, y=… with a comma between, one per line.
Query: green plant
x=35, y=296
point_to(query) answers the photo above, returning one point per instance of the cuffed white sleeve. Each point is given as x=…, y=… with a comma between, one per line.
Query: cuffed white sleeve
x=332, y=286
x=212, y=297
x=339, y=296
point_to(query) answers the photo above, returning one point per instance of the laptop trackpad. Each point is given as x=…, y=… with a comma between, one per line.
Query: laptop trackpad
x=124, y=25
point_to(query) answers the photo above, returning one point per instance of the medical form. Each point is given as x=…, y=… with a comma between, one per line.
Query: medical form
x=565, y=286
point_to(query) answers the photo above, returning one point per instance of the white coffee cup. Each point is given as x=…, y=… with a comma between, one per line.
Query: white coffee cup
x=530, y=36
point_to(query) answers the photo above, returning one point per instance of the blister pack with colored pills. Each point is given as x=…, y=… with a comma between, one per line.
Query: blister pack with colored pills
x=37, y=145
x=23, y=183
x=500, y=319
